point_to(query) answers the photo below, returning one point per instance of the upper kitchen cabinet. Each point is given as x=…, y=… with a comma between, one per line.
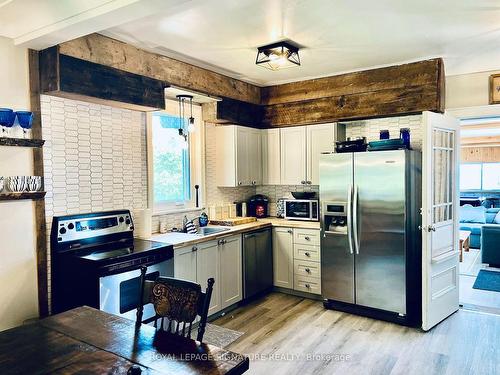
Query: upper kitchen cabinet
x=238, y=156
x=320, y=138
x=300, y=150
x=271, y=168
x=293, y=155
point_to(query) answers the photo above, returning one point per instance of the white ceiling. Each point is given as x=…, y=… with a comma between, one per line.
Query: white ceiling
x=337, y=35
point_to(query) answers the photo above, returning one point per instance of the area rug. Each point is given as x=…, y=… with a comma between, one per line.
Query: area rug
x=488, y=280
x=217, y=335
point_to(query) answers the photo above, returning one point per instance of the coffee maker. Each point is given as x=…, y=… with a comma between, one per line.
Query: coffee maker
x=258, y=206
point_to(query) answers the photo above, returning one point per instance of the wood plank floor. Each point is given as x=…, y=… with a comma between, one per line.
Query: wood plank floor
x=285, y=334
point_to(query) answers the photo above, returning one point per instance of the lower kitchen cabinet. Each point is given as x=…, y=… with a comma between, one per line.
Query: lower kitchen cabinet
x=231, y=278
x=218, y=259
x=207, y=266
x=283, y=257
x=296, y=264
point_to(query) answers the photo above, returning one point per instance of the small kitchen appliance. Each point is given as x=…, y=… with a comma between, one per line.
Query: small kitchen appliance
x=258, y=206
x=302, y=209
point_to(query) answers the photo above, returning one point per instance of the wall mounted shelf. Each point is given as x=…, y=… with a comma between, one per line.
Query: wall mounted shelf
x=19, y=196
x=20, y=142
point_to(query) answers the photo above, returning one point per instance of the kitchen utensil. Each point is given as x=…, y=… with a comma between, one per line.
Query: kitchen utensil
x=25, y=119
x=17, y=184
x=7, y=119
x=303, y=194
x=34, y=183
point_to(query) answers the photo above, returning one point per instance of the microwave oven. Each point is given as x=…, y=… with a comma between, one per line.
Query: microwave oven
x=301, y=209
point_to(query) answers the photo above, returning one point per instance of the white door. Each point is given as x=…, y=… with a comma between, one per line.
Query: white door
x=320, y=138
x=440, y=201
x=185, y=263
x=271, y=167
x=207, y=266
x=254, y=157
x=293, y=155
x=283, y=257
x=230, y=271
x=242, y=143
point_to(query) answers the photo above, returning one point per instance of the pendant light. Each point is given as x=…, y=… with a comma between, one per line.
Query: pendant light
x=182, y=117
x=278, y=55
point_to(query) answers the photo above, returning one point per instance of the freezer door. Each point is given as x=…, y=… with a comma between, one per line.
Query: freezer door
x=379, y=229
x=337, y=253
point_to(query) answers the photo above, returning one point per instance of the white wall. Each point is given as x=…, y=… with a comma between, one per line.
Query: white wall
x=468, y=90
x=18, y=276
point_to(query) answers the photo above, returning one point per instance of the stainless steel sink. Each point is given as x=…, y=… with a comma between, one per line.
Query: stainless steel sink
x=206, y=231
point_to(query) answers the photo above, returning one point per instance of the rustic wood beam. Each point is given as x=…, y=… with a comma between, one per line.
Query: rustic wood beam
x=40, y=220
x=110, y=52
x=234, y=112
x=396, y=90
x=73, y=78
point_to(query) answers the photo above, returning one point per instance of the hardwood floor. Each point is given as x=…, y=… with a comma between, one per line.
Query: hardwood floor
x=281, y=331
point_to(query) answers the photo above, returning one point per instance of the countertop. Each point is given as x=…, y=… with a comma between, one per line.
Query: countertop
x=183, y=239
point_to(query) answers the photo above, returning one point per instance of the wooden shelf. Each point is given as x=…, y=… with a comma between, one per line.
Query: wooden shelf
x=20, y=142
x=18, y=196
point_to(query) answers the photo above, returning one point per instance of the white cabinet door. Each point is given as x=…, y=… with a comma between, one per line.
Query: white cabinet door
x=242, y=151
x=271, y=168
x=225, y=152
x=283, y=257
x=185, y=263
x=255, y=157
x=320, y=138
x=230, y=271
x=293, y=155
x=207, y=266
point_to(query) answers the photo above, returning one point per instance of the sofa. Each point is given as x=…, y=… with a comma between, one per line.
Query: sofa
x=484, y=225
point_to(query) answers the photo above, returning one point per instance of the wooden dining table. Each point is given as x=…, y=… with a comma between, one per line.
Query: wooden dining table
x=88, y=341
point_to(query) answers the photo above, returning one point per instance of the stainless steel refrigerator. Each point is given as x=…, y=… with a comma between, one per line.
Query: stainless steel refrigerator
x=370, y=241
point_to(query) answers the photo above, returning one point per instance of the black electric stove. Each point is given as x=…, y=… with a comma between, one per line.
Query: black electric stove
x=96, y=261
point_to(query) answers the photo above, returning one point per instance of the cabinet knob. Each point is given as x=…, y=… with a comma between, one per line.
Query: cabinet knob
x=307, y=238
x=302, y=182
x=239, y=182
x=290, y=231
x=308, y=270
x=308, y=286
x=308, y=254
x=194, y=248
x=254, y=182
x=309, y=182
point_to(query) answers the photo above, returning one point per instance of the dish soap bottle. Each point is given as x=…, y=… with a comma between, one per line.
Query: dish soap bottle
x=203, y=219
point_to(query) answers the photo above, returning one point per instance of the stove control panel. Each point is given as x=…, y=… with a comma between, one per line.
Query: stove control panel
x=79, y=227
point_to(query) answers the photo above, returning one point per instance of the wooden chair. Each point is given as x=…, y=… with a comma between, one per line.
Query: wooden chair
x=179, y=301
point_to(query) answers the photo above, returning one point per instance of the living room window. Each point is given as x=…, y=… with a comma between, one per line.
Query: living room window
x=480, y=177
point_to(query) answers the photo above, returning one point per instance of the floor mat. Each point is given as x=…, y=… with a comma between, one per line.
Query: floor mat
x=488, y=280
x=217, y=335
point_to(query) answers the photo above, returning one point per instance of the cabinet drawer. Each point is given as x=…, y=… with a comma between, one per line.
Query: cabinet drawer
x=307, y=268
x=306, y=252
x=307, y=284
x=306, y=236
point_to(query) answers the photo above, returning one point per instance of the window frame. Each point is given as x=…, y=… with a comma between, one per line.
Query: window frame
x=196, y=162
x=482, y=179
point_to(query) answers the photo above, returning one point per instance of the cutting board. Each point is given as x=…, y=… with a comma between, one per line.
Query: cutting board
x=230, y=222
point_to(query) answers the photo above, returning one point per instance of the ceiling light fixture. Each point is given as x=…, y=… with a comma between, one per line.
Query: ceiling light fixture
x=182, y=116
x=278, y=55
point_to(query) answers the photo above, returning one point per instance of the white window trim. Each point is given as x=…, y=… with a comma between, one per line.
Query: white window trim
x=196, y=157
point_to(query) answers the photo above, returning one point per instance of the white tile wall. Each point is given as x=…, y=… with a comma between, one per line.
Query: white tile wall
x=371, y=128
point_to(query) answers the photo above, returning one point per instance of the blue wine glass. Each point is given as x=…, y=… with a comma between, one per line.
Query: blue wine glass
x=25, y=120
x=7, y=118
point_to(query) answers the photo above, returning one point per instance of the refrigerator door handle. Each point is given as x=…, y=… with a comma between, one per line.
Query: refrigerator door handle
x=349, y=219
x=355, y=218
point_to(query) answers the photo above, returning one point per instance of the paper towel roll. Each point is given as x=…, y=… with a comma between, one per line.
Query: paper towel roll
x=143, y=223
